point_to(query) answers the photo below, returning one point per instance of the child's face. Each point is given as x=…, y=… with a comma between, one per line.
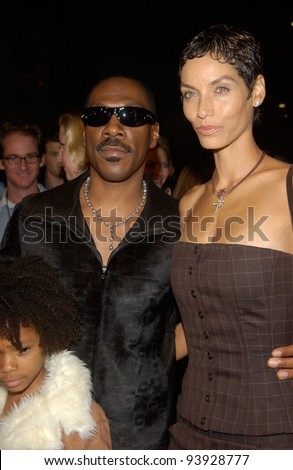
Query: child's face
x=22, y=372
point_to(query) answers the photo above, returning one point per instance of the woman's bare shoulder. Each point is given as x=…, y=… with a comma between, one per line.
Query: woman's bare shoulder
x=192, y=195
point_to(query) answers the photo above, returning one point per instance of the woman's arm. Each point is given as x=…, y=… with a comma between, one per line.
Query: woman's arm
x=180, y=342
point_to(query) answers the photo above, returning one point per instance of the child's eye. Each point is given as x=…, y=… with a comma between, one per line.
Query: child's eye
x=24, y=350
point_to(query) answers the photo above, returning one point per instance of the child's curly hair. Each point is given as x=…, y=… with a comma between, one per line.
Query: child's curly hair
x=31, y=295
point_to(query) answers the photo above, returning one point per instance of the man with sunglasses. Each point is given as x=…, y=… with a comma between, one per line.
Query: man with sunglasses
x=21, y=159
x=109, y=233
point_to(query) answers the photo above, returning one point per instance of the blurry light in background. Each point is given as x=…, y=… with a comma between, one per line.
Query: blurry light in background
x=284, y=113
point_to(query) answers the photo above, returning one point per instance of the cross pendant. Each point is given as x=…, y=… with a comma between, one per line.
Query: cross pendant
x=219, y=203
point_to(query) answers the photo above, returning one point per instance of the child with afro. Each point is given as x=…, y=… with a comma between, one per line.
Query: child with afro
x=45, y=390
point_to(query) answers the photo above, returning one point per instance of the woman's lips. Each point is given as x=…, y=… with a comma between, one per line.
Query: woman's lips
x=206, y=130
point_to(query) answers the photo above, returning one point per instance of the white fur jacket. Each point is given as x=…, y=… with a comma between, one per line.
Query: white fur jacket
x=63, y=403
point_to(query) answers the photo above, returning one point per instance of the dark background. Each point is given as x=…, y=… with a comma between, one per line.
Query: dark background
x=53, y=52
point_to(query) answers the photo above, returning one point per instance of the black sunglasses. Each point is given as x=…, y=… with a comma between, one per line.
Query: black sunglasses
x=131, y=116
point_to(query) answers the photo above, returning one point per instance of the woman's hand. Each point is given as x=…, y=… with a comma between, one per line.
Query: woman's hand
x=282, y=360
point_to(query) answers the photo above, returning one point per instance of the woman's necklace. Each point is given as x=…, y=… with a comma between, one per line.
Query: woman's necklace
x=223, y=192
x=106, y=221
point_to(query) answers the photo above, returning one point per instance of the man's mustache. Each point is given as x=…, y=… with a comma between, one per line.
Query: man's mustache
x=113, y=143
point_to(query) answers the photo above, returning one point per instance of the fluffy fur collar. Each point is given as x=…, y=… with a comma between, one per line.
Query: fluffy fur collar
x=63, y=403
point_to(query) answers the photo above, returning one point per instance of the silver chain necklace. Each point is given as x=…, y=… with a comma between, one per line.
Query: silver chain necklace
x=224, y=192
x=123, y=219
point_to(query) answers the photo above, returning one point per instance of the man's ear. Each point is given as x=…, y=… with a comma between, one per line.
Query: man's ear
x=1, y=164
x=42, y=160
x=155, y=135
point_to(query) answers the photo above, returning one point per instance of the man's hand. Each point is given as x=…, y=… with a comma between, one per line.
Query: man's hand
x=282, y=360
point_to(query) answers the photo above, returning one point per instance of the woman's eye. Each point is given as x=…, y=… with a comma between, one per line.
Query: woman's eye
x=222, y=89
x=188, y=94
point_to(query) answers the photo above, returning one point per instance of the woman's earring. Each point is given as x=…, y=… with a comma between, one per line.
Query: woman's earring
x=257, y=104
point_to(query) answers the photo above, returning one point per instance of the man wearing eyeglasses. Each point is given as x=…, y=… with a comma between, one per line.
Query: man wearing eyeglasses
x=109, y=233
x=20, y=158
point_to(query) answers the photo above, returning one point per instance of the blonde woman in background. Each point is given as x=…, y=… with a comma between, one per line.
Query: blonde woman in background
x=72, y=151
x=159, y=165
x=188, y=177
